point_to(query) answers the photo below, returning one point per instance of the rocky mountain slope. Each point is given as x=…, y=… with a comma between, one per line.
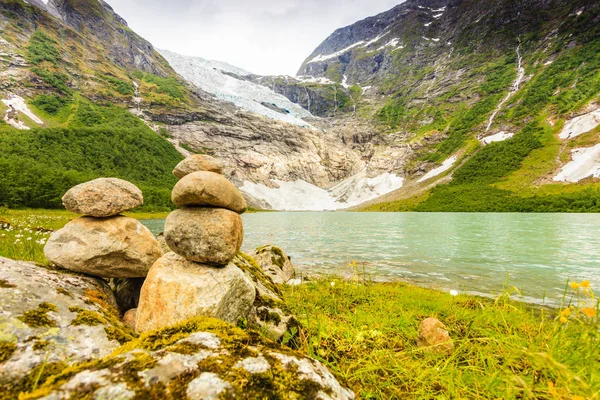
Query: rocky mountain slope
x=487, y=99
x=79, y=89
x=487, y=91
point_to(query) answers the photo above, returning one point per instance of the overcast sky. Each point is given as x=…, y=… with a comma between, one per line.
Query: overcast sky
x=268, y=37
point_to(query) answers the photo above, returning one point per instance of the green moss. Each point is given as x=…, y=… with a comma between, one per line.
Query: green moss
x=277, y=257
x=6, y=284
x=249, y=264
x=6, y=350
x=120, y=334
x=86, y=317
x=40, y=344
x=64, y=292
x=38, y=318
x=36, y=377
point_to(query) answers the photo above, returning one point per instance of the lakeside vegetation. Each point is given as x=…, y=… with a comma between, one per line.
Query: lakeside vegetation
x=366, y=333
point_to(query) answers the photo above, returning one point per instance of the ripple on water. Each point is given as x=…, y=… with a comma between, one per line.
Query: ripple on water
x=538, y=253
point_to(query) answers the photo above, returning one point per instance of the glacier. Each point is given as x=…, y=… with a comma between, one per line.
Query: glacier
x=300, y=195
x=586, y=163
x=213, y=77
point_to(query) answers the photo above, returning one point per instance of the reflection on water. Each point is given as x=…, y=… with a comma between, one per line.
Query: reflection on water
x=469, y=252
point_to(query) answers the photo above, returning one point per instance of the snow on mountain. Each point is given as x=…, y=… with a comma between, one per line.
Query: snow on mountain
x=215, y=77
x=446, y=165
x=586, y=163
x=303, y=196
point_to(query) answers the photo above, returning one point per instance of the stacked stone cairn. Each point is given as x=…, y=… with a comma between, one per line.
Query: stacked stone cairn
x=205, y=234
x=103, y=243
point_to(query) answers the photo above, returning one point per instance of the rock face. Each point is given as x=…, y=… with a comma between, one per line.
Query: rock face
x=177, y=289
x=205, y=235
x=116, y=247
x=208, y=189
x=51, y=317
x=275, y=263
x=197, y=163
x=199, y=359
x=434, y=336
x=103, y=197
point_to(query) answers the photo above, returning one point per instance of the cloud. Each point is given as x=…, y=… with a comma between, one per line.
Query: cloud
x=268, y=37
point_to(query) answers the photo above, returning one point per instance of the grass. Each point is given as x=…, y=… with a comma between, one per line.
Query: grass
x=366, y=333
x=24, y=233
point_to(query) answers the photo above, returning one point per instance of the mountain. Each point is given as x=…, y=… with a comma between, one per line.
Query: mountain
x=434, y=105
x=83, y=96
x=497, y=100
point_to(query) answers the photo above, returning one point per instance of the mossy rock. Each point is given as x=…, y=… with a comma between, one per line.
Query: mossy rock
x=199, y=358
x=274, y=262
x=48, y=317
x=269, y=313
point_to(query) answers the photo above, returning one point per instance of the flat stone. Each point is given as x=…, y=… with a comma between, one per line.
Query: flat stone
x=177, y=289
x=115, y=247
x=103, y=197
x=198, y=162
x=208, y=189
x=205, y=235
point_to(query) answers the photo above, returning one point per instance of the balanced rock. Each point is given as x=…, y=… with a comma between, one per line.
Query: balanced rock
x=434, y=336
x=274, y=262
x=208, y=189
x=116, y=247
x=197, y=162
x=49, y=318
x=199, y=359
x=177, y=289
x=103, y=197
x=205, y=235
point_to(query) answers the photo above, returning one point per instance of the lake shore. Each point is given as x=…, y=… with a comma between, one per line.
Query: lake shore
x=366, y=332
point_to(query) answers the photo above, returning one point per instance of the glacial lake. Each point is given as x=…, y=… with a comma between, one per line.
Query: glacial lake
x=473, y=253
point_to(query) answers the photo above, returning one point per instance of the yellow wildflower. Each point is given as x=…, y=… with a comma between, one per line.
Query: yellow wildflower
x=577, y=398
x=585, y=284
x=563, y=320
x=566, y=312
x=590, y=312
x=575, y=285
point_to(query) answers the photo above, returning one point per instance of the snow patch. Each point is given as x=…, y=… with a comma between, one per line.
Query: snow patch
x=392, y=43
x=498, y=137
x=580, y=125
x=249, y=96
x=370, y=42
x=437, y=16
x=427, y=24
x=303, y=196
x=345, y=82
x=446, y=165
x=17, y=104
x=326, y=57
x=586, y=163
x=435, y=39
x=312, y=79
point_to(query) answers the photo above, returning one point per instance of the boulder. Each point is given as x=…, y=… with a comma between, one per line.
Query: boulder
x=208, y=189
x=127, y=292
x=177, y=289
x=115, y=247
x=275, y=263
x=129, y=318
x=103, y=197
x=202, y=358
x=49, y=317
x=205, y=235
x=197, y=162
x=434, y=336
x=268, y=314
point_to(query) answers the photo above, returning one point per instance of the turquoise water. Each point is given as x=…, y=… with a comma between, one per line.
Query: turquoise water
x=466, y=252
